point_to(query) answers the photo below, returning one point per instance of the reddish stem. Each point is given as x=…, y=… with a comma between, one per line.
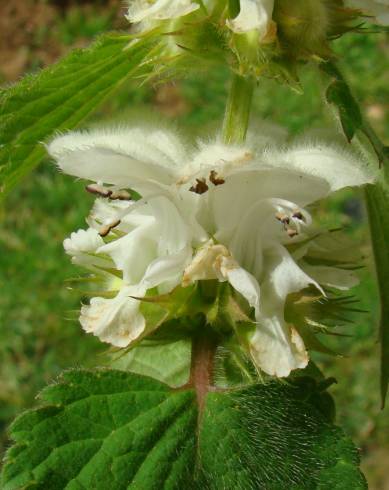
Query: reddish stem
x=201, y=372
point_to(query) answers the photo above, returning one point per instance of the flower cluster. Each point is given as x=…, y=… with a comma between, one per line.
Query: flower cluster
x=230, y=214
x=257, y=36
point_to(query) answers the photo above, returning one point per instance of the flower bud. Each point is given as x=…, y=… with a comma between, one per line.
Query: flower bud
x=305, y=27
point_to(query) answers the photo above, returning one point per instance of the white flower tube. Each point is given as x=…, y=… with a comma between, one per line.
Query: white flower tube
x=222, y=213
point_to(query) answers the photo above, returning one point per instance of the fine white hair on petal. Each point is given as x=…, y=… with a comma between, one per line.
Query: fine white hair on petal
x=264, y=133
x=116, y=321
x=254, y=14
x=337, y=166
x=216, y=156
x=120, y=156
x=141, y=10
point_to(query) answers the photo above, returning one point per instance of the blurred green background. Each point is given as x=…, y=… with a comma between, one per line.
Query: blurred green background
x=39, y=333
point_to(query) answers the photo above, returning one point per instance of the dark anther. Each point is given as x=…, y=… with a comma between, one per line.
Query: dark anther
x=285, y=220
x=120, y=195
x=200, y=187
x=99, y=190
x=213, y=177
x=104, y=230
x=298, y=215
x=291, y=233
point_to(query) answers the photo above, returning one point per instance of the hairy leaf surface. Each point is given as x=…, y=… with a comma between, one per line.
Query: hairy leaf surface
x=59, y=98
x=111, y=429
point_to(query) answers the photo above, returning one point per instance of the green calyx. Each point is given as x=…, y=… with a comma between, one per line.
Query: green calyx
x=181, y=313
x=306, y=27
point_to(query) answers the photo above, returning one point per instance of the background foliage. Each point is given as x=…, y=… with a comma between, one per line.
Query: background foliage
x=39, y=333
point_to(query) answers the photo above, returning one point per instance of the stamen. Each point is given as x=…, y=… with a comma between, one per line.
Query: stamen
x=291, y=232
x=200, y=187
x=298, y=215
x=104, y=230
x=99, y=190
x=213, y=177
x=120, y=195
x=285, y=220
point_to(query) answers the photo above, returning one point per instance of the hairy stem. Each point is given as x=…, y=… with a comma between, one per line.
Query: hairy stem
x=201, y=373
x=236, y=118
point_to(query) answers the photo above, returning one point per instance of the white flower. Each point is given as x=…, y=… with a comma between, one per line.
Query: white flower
x=377, y=8
x=151, y=250
x=83, y=242
x=146, y=10
x=227, y=213
x=116, y=321
x=253, y=15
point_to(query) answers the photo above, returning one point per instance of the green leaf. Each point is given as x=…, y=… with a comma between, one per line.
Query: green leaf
x=168, y=362
x=377, y=201
x=377, y=198
x=339, y=95
x=111, y=429
x=59, y=98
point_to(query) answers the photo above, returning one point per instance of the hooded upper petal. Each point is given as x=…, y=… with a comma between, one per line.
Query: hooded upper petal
x=338, y=167
x=135, y=158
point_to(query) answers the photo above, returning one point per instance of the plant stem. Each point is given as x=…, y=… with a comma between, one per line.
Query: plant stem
x=201, y=372
x=236, y=118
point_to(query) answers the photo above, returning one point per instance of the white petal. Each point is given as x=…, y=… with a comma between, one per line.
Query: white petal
x=174, y=233
x=206, y=264
x=242, y=281
x=215, y=262
x=83, y=241
x=133, y=253
x=243, y=189
x=215, y=156
x=276, y=348
x=116, y=321
x=336, y=166
x=283, y=277
x=158, y=231
x=130, y=158
x=333, y=277
x=140, y=10
x=254, y=14
x=166, y=272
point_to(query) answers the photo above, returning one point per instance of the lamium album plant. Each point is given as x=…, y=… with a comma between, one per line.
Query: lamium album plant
x=204, y=251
